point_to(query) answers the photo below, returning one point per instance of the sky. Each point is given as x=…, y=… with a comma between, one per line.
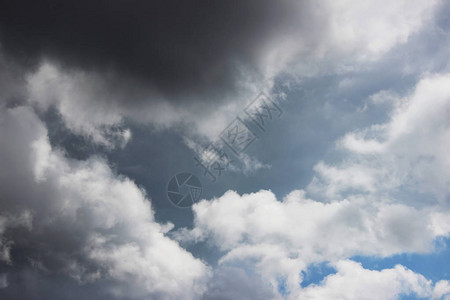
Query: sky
x=225, y=149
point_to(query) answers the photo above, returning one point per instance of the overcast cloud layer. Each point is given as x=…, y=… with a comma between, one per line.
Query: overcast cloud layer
x=80, y=226
x=171, y=64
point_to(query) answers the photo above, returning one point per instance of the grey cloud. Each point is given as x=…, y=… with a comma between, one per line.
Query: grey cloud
x=181, y=49
x=234, y=283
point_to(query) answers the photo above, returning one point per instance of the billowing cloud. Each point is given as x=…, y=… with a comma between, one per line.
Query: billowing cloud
x=361, y=211
x=408, y=152
x=354, y=282
x=283, y=238
x=83, y=221
x=172, y=64
x=69, y=225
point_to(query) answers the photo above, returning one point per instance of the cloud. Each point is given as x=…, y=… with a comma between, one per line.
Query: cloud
x=180, y=49
x=179, y=67
x=351, y=36
x=408, y=152
x=3, y=281
x=8, y=221
x=370, y=29
x=232, y=283
x=282, y=238
x=441, y=289
x=361, y=209
x=352, y=281
x=72, y=95
x=88, y=223
x=188, y=65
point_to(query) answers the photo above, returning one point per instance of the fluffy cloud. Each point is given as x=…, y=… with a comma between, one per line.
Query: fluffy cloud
x=72, y=95
x=83, y=221
x=408, y=152
x=442, y=290
x=369, y=29
x=78, y=219
x=362, y=211
x=119, y=242
x=283, y=238
x=354, y=282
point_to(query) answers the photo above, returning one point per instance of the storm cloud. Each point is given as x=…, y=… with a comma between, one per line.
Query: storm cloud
x=180, y=49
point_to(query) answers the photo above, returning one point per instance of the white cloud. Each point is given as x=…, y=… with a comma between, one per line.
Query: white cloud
x=85, y=104
x=361, y=212
x=88, y=222
x=352, y=281
x=371, y=28
x=283, y=238
x=410, y=151
x=343, y=35
x=442, y=290
x=96, y=105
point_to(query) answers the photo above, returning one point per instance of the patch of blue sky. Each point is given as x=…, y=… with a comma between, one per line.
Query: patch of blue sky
x=282, y=286
x=434, y=266
x=315, y=273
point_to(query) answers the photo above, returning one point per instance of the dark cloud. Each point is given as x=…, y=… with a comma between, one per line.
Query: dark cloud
x=31, y=284
x=12, y=82
x=179, y=48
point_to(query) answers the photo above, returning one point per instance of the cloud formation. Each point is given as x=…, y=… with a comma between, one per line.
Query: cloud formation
x=360, y=213
x=172, y=64
x=283, y=238
x=83, y=221
x=181, y=50
x=409, y=151
x=69, y=225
